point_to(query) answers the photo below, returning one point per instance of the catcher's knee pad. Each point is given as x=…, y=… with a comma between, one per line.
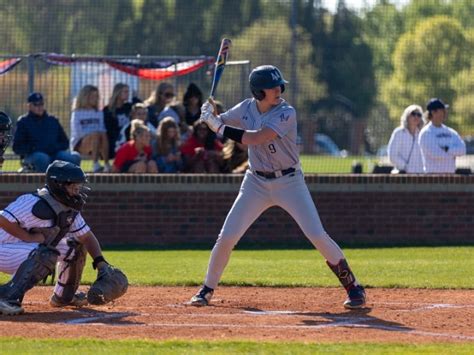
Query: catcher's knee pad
x=39, y=264
x=70, y=273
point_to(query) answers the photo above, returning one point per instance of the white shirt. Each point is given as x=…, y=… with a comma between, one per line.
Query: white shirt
x=19, y=211
x=435, y=158
x=404, y=151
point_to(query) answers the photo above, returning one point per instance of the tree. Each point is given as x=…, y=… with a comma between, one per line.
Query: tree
x=425, y=61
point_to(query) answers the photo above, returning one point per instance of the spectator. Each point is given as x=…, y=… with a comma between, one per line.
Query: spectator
x=158, y=100
x=440, y=144
x=192, y=101
x=168, y=156
x=235, y=157
x=40, y=138
x=403, y=148
x=138, y=112
x=88, y=134
x=117, y=114
x=135, y=155
x=200, y=155
x=176, y=111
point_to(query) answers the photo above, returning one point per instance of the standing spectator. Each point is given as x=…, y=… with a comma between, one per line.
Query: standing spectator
x=138, y=112
x=117, y=114
x=200, y=155
x=440, y=144
x=40, y=138
x=403, y=148
x=88, y=134
x=135, y=155
x=168, y=156
x=235, y=157
x=192, y=101
x=158, y=100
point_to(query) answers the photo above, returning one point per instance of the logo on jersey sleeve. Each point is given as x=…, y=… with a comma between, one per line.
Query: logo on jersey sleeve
x=284, y=118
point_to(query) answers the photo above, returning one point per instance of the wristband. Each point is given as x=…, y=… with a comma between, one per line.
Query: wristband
x=233, y=133
x=98, y=260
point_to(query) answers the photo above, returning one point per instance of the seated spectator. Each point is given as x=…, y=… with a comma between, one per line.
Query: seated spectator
x=403, y=148
x=177, y=112
x=117, y=114
x=135, y=155
x=235, y=157
x=192, y=101
x=40, y=139
x=199, y=154
x=440, y=144
x=138, y=112
x=158, y=100
x=167, y=154
x=88, y=136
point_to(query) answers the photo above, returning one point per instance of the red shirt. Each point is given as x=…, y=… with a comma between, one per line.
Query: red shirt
x=128, y=152
x=188, y=147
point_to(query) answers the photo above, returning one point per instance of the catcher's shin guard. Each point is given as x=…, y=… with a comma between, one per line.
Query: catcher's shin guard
x=355, y=293
x=203, y=297
x=70, y=272
x=39, y=264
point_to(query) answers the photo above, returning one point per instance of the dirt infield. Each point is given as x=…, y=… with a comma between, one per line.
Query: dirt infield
x=254, y=313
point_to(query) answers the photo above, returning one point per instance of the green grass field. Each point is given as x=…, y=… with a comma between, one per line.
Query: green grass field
x=311, y=164
x=422, y=267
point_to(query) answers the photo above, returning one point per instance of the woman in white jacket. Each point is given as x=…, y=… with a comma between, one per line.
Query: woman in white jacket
x=403, y=148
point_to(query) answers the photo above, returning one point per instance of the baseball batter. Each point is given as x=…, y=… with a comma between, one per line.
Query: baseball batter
x=267, y=124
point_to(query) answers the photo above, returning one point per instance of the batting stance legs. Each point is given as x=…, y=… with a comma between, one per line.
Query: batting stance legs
x=289, y=192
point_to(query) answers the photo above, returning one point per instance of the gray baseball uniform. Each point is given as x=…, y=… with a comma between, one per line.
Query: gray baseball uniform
x=286, y=188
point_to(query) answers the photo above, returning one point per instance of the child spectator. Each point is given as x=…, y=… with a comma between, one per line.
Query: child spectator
x=40, y=138
x=138, y=112
x=88, y=135
x=135, y=155
x=199, y=154
x=168, y=156
x=158, y=100
x=192, y=101
x=235, y=157
x=117, y=114
x=176, y=111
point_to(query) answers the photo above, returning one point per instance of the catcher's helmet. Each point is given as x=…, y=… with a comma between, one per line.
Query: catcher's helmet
x=265, y=77
x=61, y=173
x=5, y=128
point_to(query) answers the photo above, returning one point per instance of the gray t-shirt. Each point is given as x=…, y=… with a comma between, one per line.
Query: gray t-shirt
x=84, y=122
x=278, y=154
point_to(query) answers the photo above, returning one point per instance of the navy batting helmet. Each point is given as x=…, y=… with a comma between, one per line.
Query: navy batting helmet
x=5, y=128
x=61, y=173
x=265, y=77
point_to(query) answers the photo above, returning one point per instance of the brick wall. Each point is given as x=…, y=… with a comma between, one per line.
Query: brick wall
x=185, y=210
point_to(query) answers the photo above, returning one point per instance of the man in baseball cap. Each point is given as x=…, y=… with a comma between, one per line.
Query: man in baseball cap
x=35, y=98
x=439, y=144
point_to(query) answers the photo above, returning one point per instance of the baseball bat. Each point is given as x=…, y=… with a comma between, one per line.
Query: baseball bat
x=220, y=64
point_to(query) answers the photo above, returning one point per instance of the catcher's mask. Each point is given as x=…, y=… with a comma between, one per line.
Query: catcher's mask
x=59, y=175
x=265, y=77
x=5, y=129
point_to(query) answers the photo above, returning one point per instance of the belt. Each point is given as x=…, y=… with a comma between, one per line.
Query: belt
x=275, y=174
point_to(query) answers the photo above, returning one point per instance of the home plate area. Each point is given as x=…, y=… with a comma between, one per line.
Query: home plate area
x=255, y=313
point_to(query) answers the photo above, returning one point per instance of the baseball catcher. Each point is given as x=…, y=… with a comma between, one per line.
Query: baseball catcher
x=45, y=230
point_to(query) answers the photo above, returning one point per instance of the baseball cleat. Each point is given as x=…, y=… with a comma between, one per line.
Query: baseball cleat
x=79, y=300
x=203, y=297
x=10, y=308
x=355, y=298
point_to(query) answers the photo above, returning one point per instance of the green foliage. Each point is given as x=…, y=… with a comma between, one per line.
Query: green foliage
x=425, y=61
x=257, y=43
x=20, y=345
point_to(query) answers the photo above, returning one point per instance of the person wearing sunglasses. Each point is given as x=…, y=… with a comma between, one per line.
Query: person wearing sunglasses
x=403, y=149
x=440, y=144
x=39, y=137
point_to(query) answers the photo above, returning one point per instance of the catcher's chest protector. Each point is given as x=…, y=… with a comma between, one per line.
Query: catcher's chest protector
x=48, y=208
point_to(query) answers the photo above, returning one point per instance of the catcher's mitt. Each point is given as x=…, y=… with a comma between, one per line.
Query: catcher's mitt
x=111, y=283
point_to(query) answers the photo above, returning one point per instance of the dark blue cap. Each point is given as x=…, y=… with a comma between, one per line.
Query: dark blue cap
x=435, y=104
x=35, y=97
